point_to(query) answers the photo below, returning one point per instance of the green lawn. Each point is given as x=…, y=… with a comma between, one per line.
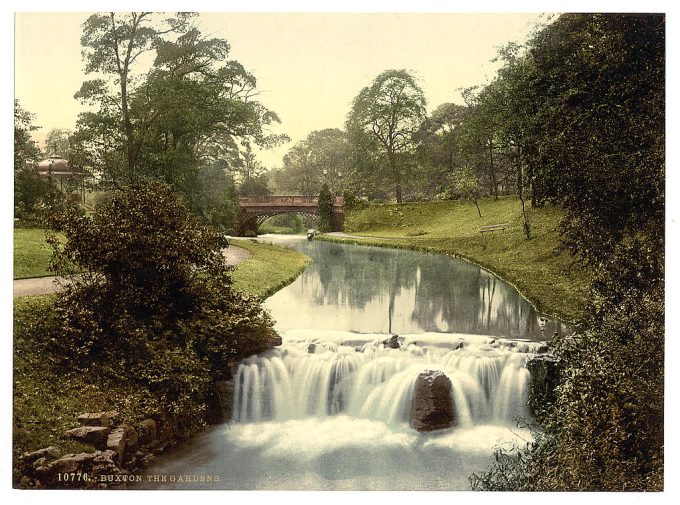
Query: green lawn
x=268, y=269
x=285, y=230
x=31, y=253
x=544, y=274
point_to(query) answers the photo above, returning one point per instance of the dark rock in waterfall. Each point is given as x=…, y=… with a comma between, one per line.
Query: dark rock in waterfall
x=432, y=407
x=225, y=398
x=311, y=348
x=392, y=342
x=544, y=370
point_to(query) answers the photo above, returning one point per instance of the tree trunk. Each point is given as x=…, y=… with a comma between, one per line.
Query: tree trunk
x=520, y=193
x=477, y=205
x=492, y=171
x=396, y=175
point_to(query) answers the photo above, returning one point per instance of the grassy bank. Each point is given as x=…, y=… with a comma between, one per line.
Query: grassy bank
x=47, y=399
x=279, y=230
x=548, y=277
x=269, y=269
x=31, y=253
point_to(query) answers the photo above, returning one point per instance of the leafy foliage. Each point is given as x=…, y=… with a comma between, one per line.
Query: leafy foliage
x=388, y=113
x=182, y=120
x=322, y=152
x=599, y=127
x=155, y=305
x=29, y=188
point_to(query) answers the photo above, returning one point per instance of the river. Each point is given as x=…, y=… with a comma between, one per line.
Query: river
x=330, y=408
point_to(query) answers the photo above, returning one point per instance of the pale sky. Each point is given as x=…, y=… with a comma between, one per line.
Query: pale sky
x=309, y=67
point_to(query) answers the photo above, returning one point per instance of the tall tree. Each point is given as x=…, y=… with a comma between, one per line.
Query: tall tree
x=170, y=121
x=439, y=149
x=58, y=141
x=113, y=43
x=26, y=150
x=29, y=187
x=390, y=111
x=323, y=156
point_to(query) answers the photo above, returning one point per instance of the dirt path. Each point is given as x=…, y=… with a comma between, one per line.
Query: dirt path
x=45, y=285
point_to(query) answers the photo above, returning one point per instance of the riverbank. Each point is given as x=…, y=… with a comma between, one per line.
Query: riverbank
x=269, y=269
x=544, y=273
x=47, y=400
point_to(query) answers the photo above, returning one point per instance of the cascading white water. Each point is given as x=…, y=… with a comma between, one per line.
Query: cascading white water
x=355, y=375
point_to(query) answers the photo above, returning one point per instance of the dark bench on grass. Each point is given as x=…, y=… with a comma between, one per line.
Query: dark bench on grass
x=493, y=227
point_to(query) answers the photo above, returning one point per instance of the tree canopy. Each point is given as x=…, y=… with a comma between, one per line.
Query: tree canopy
x=389, y=113
x=192, y=112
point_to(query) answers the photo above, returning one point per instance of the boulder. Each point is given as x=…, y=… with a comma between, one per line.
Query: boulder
x=40, y=462
x=432, y=407
x=94, y=419
x=544, y=369
x=311, y=348
x=47, y=453
x=131, y=437
x=70, y=463
x=116, y=443
x=147, y=431
x=122, y=440
x=392, y=342
x=225, y=398
x=113, y=416
x=103, y=463
x=93, y=435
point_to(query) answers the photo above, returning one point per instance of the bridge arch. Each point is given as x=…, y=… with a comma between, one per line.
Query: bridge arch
x=256, y=210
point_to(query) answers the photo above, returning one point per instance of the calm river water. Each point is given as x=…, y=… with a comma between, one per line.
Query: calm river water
x=330, y=408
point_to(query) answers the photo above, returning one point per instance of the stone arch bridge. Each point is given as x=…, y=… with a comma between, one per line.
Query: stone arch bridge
x=256, y=210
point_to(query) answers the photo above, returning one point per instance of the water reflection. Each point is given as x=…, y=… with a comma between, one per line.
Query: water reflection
x=369, y=289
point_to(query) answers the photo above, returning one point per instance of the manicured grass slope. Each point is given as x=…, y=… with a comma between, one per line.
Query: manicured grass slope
x=31, y=253
x=545, y=275
x=268, y=269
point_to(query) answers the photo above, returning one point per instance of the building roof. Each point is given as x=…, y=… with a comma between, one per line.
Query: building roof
x=54, y=165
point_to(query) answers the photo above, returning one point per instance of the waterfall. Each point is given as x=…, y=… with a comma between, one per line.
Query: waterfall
x=343, y=373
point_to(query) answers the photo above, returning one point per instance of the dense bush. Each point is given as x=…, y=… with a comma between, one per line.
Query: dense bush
x=156, y=305
x=352, y=201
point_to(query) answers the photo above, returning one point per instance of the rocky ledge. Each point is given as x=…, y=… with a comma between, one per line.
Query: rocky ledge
x=121, y=450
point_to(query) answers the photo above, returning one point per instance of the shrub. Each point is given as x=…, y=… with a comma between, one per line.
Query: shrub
x=353, y=202
x=325, y=209
x=155, y=305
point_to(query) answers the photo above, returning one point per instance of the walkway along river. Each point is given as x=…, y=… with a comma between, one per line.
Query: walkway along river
x=330, y=408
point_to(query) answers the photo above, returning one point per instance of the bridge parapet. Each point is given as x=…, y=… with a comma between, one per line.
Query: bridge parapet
x=255, y=210
x=285, y=201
